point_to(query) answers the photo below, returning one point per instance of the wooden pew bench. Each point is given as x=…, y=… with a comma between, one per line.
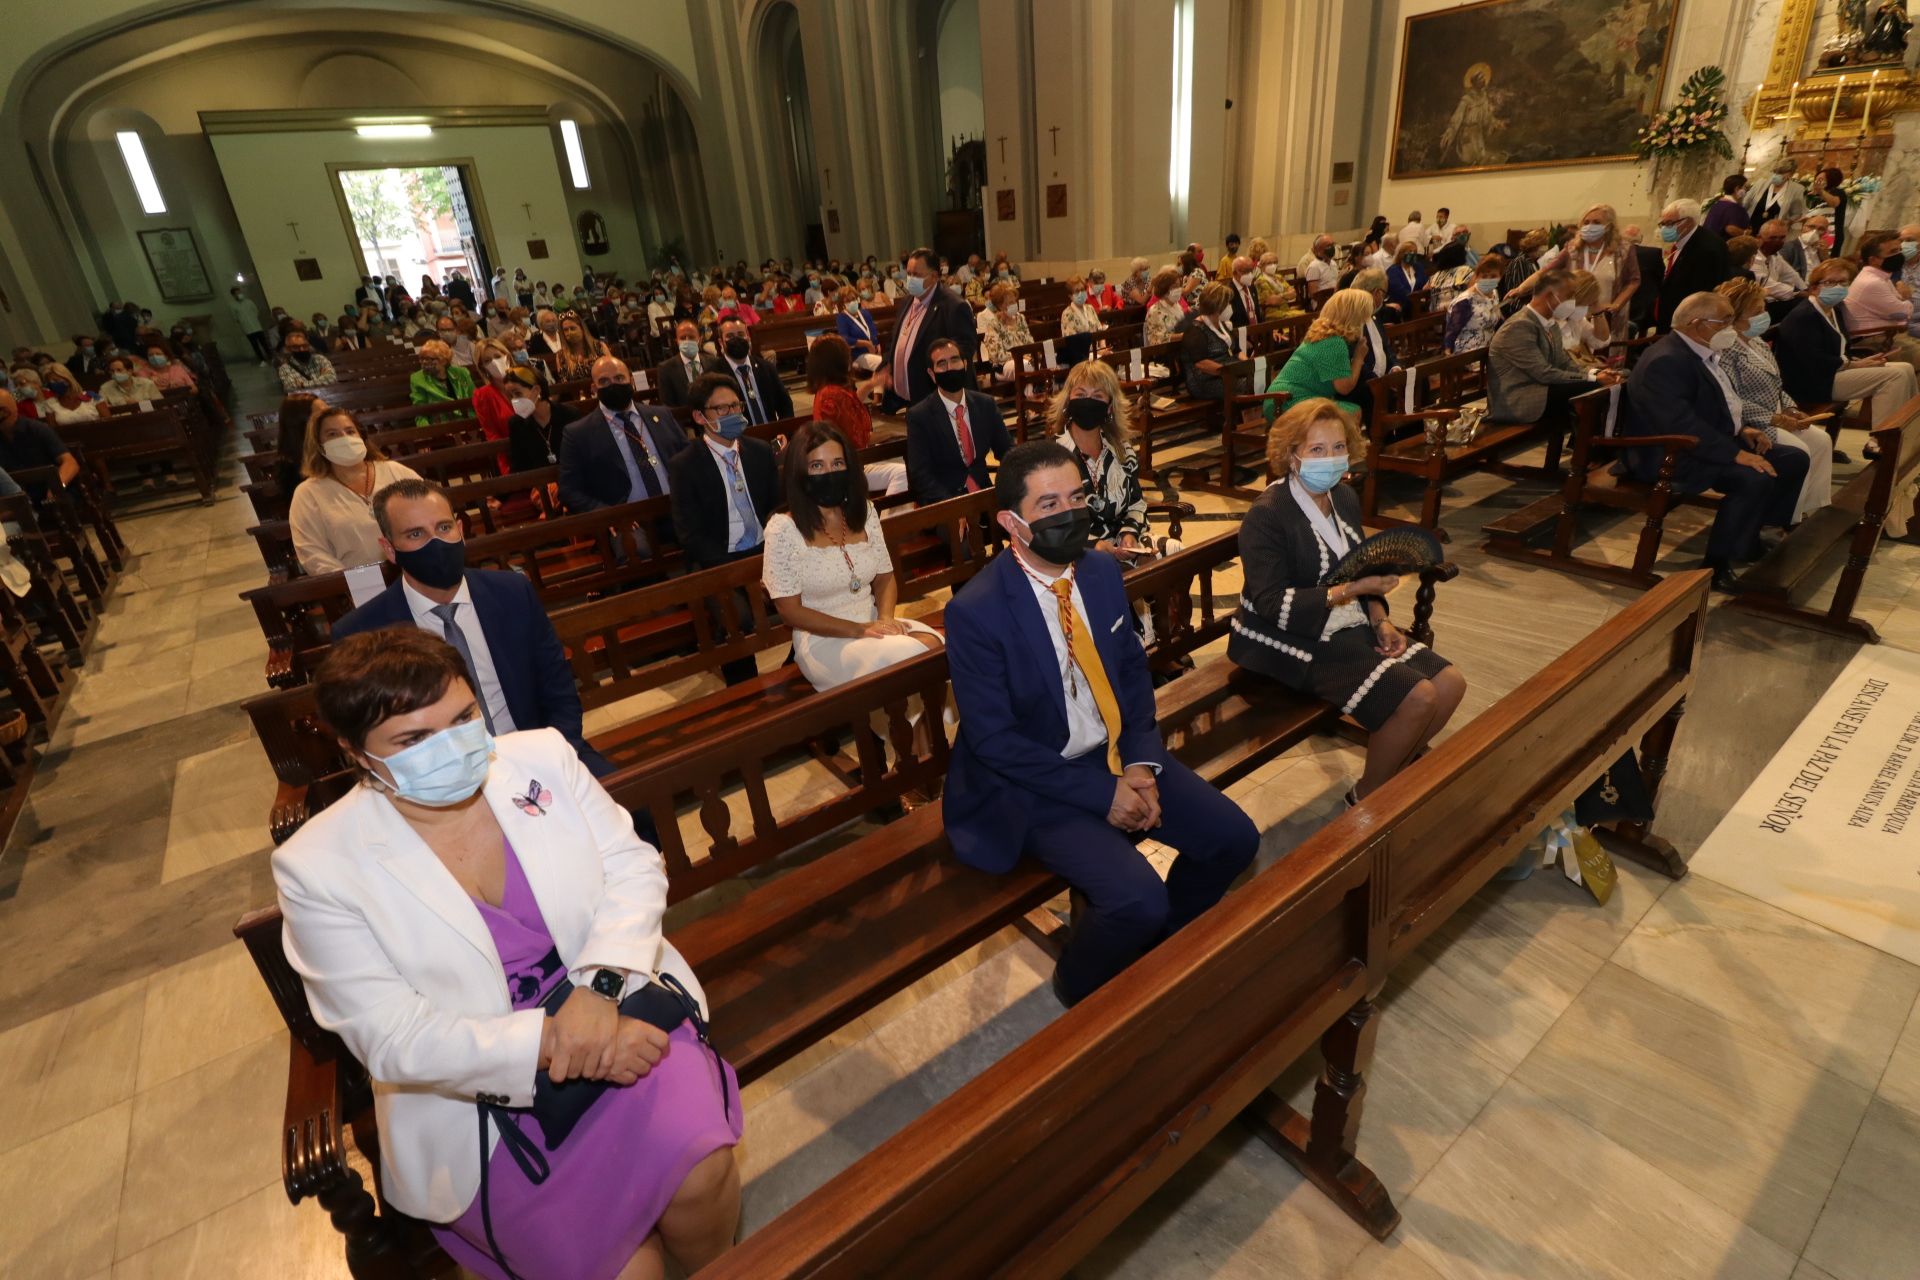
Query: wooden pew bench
x=160, y=435
x=832, y=935
x=1779, y=584
x=1590, y=486
x=1030, y=1164
x=1415, y=443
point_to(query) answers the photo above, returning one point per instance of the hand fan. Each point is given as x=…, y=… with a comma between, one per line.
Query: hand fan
x=1394, y=551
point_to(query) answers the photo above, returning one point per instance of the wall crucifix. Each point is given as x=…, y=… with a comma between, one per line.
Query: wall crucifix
x=295, y=228
x=1055, y=131
x=1002, y=140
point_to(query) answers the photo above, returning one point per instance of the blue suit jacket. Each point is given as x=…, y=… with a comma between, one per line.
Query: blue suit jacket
x=592, y=473
x=1672, y=392
x=1006, y=770
x=534, y=676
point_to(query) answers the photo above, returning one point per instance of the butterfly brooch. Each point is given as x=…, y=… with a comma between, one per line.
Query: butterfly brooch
x=534, y=803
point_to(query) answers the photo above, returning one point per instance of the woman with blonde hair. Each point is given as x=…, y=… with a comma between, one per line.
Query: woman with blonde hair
x=578, y=350
x=1327, y=363
x=1599, y=249
x=1091, y=419
x=332, y=510
x=1332, y=641
x=1271, y=292
x=438, y=380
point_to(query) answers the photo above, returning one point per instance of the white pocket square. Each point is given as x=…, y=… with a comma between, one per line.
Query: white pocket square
x=1116, y=625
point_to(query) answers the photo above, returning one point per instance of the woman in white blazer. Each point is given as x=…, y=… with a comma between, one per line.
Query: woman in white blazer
x=432, y=910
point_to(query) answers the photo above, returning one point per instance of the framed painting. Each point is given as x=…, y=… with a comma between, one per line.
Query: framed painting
x=1524, y=84
x=174, y=259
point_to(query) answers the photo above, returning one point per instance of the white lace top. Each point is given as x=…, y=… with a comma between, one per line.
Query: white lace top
x=820, y=575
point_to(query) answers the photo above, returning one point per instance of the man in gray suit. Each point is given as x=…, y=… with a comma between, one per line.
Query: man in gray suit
x=1530, y=376
x=1779, y=197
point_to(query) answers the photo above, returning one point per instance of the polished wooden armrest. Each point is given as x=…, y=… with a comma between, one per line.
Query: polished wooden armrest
x=313, y=1157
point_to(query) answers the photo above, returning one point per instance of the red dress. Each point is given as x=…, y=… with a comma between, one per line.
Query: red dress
x=494, y=413
x=843, y=409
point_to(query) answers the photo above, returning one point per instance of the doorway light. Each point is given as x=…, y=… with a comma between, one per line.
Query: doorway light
x=576, y=158
x=394, y=130
x=134, y=152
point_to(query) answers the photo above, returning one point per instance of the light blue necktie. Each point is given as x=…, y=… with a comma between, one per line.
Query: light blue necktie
x=749, y=521
x=458, y=639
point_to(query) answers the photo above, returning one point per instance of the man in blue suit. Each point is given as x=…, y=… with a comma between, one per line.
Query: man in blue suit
x=619, y=452
x=1059, y=758
x=1679, y=389
x=493, y=617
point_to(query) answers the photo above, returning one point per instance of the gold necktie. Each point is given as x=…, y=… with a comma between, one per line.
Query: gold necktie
x=1081, y=650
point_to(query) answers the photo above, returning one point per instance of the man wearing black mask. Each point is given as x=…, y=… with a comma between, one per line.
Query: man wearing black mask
x=301, y=367
x=950, y=432
x=492, y=617
x=1058, y=757
x=619, y=452
x=763, y=398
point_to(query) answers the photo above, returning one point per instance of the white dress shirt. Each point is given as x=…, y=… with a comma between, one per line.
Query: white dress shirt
x=722, y=455
x=1778, y=275
x=1320, y=275
x=1711, y=359
x=468, y=621
x=1086, y=731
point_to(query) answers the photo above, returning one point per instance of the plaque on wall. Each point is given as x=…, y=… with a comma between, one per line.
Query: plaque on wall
x=536, y=248
x=306, y=268
x=1343, y=171
x=174, y=259
x=833, y=222
x=1057, y=200
x=1003, y=205
x=593, y=233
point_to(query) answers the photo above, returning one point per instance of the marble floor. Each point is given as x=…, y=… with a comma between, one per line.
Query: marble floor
x=1683, y=1083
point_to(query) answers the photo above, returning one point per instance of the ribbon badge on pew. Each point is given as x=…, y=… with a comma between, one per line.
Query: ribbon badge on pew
x=534, y=803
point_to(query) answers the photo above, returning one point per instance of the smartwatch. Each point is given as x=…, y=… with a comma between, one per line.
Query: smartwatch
x=609, y=983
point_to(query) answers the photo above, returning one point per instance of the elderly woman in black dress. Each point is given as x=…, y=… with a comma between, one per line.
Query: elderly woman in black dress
x=1332, y=642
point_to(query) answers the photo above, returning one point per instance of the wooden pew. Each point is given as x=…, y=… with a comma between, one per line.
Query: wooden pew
x=50, y=602
x=1415, y=443
x=795, y=957
x=1030, y=1164
x=1590, y=486
x=1777, y=586
x=1237, y=466
x=160, y=435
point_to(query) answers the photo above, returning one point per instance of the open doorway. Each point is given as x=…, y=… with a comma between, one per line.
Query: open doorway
x=416, y=223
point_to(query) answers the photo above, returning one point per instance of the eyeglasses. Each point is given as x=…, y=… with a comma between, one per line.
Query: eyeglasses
x=721, y=410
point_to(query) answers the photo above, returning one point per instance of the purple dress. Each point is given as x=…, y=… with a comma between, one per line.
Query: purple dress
x=612, y=1178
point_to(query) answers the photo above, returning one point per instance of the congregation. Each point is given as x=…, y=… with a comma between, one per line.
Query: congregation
x=712, y=463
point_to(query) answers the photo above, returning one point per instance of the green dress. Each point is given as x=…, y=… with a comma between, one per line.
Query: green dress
x=1310, y=371
x=424, y=389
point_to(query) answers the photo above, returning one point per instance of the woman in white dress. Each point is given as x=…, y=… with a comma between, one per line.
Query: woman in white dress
x=827, y=570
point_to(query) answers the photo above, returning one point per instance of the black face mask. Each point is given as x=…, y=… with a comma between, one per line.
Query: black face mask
x=1894, y=264
x=1062, y=538
x=300, y=357
x=1086, y=411
x=618, y=397
x=826, y=488
x=951, y=379
x=437, y=563
x=737, y=348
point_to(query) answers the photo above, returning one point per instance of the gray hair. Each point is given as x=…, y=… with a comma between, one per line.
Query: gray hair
x=1683, y=208
x=1700, y=306
x=1786, y=165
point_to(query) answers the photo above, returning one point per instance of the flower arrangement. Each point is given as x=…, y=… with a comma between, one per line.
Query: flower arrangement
x=1855, y=188
x=1692, y=122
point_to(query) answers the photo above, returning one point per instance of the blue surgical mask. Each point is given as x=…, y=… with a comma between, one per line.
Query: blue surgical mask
x=1669, y=234
x=1911, y=248
x=915, y=286
x=1487, y=286
x=1832, y=295
x=443, y=769
x=1319, y=475
x=1759, y=325
x=690, y=349
x=732, y=427
x=1593, y=232
x=1079, y=297
x=157, y=360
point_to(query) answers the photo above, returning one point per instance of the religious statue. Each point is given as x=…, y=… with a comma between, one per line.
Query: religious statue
x=1473, y=119
x=1885, y=34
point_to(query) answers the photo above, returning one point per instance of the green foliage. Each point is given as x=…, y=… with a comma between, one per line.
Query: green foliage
x=1692, y=122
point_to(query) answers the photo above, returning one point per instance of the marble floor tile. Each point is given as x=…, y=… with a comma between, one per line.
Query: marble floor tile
x=953, y=1035
x=1389, y=1261
x=1835, y=1002
x=176, y=565
x=925, y=988
x=261, y=1236
x=197, y=1143
x=212, y=654
x=217, y=813
x=1807, y=1271
x=1900, y=1084
x=807, y=1061
x=109, y=704
x=64, y=1066
x=1869, y=1230
x=808, y=1132
x=1720, y=1108
x=202, y=1009
x=1530, y=1193
x=1549, y=903
x=61, y=1194
x=244, y=679
x=1235, y=1211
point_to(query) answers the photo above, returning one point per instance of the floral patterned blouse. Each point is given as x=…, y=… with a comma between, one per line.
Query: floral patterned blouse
x=999, y=336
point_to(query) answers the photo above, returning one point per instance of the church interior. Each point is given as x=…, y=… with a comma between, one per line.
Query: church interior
x=751, y=565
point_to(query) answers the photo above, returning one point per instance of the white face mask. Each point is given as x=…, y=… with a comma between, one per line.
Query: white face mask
x=1579, y=314
x=1272, y=268
x=497, y=367
x=1593, y=232
x=345, y=451
x=522, y=407
x=1723, y=338
x=1564, y=308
